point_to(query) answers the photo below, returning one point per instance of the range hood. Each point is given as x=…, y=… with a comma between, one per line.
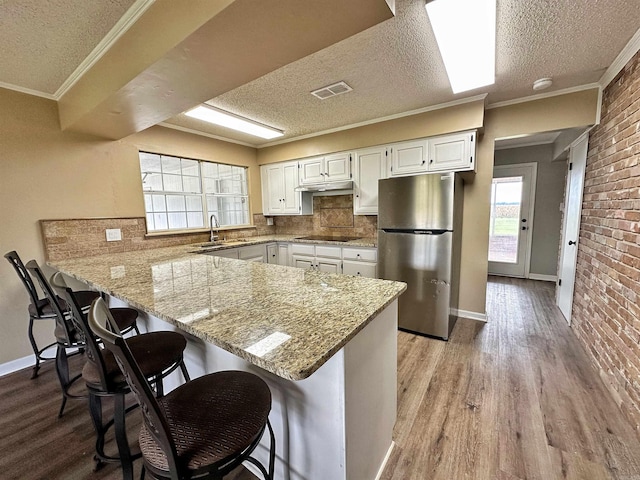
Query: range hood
x=325, y=187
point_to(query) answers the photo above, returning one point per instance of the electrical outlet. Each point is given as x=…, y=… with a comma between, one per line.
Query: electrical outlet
x=269, y=221
x=113, y=234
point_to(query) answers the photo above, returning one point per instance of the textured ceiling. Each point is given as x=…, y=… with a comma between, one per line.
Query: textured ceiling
x=396, y=67
x=44, y=41
x=393, y=67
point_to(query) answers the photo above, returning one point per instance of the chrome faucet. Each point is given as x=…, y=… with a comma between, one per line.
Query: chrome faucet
x=212, y=237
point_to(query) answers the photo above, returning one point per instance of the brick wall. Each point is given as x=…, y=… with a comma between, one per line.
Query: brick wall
x=606, y=310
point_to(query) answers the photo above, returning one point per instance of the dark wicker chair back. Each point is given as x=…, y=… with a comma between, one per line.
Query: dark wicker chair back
x=102, y=324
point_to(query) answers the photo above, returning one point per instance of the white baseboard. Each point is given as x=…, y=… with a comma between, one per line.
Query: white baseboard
x=480, y=317
x=17, y=364
x=544, y=278
x=386, y=459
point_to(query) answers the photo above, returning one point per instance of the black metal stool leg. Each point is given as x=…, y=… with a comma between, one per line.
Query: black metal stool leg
x=34, y=346
x=121, y=437
x=62, y=369
x=185, y=373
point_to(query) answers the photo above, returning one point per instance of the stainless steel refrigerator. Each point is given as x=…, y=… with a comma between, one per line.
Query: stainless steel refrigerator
x=419, y=226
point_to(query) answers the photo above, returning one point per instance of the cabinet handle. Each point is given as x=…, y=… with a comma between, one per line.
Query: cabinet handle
x=322, y=174
x=431, y=161
x=423, y=162
x=327, y=174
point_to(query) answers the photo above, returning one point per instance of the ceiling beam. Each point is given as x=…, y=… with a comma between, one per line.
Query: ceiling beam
x=172, y=60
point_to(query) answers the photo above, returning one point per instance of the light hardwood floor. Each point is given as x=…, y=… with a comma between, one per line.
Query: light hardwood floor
x=515, y=398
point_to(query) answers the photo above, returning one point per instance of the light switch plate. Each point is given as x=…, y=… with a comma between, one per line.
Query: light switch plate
x=113, y=234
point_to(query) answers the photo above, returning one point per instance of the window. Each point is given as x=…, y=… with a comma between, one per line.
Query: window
x=181, y=193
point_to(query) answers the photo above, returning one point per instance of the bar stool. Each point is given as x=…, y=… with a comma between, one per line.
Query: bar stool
x=204, y=428
x=40, y=308
x=158, y=354
x=67, y=337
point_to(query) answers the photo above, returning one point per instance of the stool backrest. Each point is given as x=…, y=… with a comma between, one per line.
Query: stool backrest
x=81, y=324
x=102, y=324
x=27, y=281
x=65, y=332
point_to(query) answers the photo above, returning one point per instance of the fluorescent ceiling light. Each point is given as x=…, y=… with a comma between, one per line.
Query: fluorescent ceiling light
x=466, y=34
x=228, y=120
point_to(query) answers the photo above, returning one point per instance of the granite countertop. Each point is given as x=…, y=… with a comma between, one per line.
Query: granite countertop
x=243, y=307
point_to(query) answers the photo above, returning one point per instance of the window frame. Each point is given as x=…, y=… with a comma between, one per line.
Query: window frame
x=202, y=194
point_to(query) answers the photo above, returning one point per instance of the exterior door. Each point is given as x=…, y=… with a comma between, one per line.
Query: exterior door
x=510, y=230
x=571, y=225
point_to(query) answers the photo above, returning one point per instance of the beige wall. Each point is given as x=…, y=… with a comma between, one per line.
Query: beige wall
x=45, y=174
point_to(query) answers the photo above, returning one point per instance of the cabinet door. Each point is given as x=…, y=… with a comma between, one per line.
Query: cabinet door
x=337, y=167
x=359, y=269
x=291, y=198
x=409, y=157
x=329, y=265
x=451, y=153
x=312, y=170
x=273, y=182
x=283, y=254
x=369, y=168
x=272, y=254
x=302, y=262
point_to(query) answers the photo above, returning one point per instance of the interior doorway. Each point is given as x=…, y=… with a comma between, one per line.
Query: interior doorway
x=511, y=222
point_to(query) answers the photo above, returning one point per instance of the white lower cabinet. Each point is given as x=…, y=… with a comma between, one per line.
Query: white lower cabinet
x=360, y=262
x=283, y=254
x=272, y=253
x=325, y=258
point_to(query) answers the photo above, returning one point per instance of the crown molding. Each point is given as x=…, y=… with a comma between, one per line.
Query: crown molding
x=627, y=53
x=540, y=96
x=28, y=91
x=120, y=28
x=378, y=120
x=204, y=134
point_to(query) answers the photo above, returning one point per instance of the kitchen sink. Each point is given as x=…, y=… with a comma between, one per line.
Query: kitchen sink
x=225, y=243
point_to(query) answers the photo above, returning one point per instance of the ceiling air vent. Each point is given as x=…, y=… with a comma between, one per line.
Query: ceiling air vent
x=331, y=90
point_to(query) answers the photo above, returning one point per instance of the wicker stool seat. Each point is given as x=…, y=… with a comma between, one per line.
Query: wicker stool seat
x=211, y=419
x=202, y=429
x=155, y=352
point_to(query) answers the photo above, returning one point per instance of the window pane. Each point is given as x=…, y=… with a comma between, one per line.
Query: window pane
x=172, y=183
x=170, y=165
x=148, y=204
x=191, y=184
x=160, y=220
x=506, y=199
x=209, y=169
x=194, y=219
x=177, y=220
x=211, y=185
x=175, y=203
x=190, y=167
x=149, y=162
x=152, y=181
x=159, y=203
x=194, y=203
x=150, y=223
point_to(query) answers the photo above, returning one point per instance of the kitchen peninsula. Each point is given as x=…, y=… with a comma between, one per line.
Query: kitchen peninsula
x=325, y=344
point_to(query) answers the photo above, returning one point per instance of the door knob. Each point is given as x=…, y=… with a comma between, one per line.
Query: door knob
x=571, y=242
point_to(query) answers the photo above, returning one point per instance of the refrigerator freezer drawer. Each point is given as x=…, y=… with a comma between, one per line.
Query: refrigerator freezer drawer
x=424, y=263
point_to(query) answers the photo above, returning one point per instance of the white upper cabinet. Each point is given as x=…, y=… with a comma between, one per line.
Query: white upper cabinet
x=369, y=167
x=452, y=152
x=331, y=168
x=408, y=158
x=279, y=196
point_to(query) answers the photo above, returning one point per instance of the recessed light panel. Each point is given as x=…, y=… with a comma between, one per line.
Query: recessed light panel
x=466, y=34
x=235, y=122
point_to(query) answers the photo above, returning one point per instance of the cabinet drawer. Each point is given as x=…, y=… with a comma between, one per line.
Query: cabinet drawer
x=363, y=254
x=359, y=269
x=303, y=249
x=328, y=251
